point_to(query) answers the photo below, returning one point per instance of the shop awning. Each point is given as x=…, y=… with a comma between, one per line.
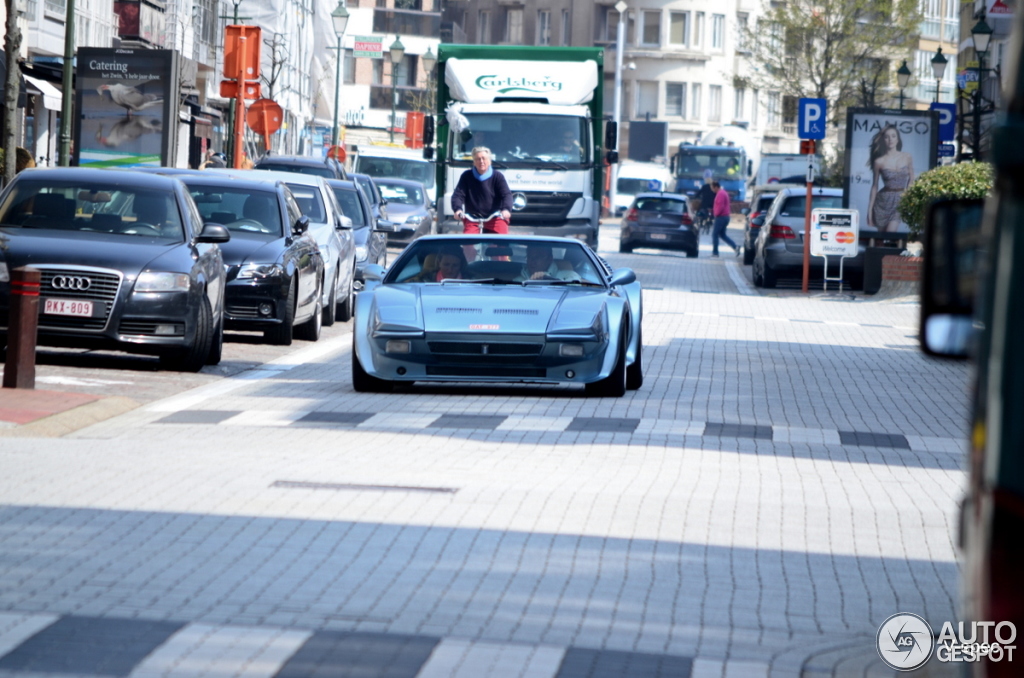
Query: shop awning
x=52, y=96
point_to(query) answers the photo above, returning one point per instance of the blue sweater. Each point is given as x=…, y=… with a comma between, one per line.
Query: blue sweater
x=481, y=198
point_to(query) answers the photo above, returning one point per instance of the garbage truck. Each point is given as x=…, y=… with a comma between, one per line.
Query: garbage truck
x=540, y=112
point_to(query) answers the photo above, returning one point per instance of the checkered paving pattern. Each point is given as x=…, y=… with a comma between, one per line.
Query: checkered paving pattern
x=785, y=480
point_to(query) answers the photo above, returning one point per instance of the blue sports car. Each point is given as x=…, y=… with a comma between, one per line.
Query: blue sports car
x=499, y=308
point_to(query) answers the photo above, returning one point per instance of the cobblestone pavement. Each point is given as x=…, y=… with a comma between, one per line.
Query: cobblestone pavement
x=785, y=480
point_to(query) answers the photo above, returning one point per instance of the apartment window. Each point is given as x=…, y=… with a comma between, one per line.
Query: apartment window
x=695, y=112
x=773, y=110
x=789, y=110
x=698, y=30
x=378, y=71
x=679, y=28
x=741, y=33
x=607, y=30
x=718, y=31
x=652, y=28
x=544, y=27
x=754, y=105
x=715, y=103
x=675, y=99
x=740, y=108
x=483, y=28
x=348, y=68
x=647, y=98
x=566, y=26
x=514, y=26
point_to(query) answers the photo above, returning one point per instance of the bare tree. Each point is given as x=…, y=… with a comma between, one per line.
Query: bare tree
x=279, y=56
x=12, y=47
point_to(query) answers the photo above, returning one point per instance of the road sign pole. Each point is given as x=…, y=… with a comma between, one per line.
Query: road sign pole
x=807, y=241
x=240, y=106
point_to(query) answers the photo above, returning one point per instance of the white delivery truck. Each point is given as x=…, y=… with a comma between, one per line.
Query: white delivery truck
x=395, y=162
x=780, y=167
x=638, y=177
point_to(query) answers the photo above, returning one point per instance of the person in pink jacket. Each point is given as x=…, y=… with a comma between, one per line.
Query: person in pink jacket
x=722, y=212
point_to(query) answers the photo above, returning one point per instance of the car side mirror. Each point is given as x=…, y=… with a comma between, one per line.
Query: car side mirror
x=301, y=225
x=385, y=226
x=757, y=221
x=951, y=259
x=428, y=152
x=433, y=204
x=611, y=134
x=622, y=276
x=428, y=134
x=612, y=157
x=745, y=210
x=344, y=223
x=213, y=233
x=373, y=272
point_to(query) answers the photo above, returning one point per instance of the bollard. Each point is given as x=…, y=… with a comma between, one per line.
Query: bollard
x=20, y=368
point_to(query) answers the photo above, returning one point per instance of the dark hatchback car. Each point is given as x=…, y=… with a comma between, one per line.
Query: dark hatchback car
x=127, y=263
x=410, y=208
x=303, y=164
x=661, y=220
x=274, y=267
x=369, y=232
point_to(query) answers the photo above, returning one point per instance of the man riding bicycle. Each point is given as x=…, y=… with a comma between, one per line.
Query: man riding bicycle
x=482, y=191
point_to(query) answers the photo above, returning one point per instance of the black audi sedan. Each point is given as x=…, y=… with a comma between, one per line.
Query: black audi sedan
x=368, y=230
x=275, y=272
x=127, y=263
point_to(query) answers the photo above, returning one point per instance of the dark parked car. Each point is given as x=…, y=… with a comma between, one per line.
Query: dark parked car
x=303, y=164
x=410, y=208
x=377, y=202
x=369, y=232
x=274, y=269
x=662, y=220
x=127, y=263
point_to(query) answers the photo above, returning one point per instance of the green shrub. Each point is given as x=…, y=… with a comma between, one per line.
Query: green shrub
x=964, y=180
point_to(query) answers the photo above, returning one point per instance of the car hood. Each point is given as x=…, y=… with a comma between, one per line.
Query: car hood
x=534, y=309
x=239, y=251
x=129, y=254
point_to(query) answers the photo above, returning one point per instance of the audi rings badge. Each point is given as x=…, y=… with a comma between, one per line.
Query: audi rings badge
x=518, y=201
x=70, y=282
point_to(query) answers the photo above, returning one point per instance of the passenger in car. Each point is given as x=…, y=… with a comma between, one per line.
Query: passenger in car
x=540, y=265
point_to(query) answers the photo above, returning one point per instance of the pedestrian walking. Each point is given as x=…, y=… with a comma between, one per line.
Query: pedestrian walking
x=722, y=213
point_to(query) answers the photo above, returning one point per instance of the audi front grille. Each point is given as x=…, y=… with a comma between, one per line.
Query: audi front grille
x=99, y=286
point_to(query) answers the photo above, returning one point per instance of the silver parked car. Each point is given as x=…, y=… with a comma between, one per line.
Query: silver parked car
x=409, y=208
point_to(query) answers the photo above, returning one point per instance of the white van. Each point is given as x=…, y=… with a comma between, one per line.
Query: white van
x=395, y=162
x=637, y=177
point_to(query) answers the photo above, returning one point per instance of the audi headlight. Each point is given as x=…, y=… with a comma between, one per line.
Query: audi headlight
x=362, y=253
x=413, y=219
x=5, y=276
x=162, y=282
x=260, y=271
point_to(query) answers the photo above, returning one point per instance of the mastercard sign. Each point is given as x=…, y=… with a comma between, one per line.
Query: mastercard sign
x=835, y=232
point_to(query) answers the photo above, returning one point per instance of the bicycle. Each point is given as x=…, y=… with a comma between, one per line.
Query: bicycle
x=705, y=221
x=471, y=221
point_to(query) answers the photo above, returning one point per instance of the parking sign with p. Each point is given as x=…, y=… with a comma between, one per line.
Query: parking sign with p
x=811, y=120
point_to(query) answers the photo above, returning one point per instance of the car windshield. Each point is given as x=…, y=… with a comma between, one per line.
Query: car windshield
x=664, y=205
x=631, y=186
x=508, y=261
x=310, y=202
x=397, y=168
x=243, y=211
x=723, y=165
x=400, y=193
x=351, y=206
x=314, y=170
x=796, y=206
x=98, y=208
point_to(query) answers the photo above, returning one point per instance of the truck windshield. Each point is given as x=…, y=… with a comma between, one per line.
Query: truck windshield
x=524, y=140
x=692, y=163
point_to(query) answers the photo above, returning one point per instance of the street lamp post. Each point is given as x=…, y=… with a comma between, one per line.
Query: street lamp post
x=981, y=35
x=339, y=17
x=938, y=70
x=620, y=39
x=397, y=53
x=429, y=61
x=903, y=78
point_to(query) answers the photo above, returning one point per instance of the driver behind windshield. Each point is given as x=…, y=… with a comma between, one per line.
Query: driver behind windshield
x=540, y=265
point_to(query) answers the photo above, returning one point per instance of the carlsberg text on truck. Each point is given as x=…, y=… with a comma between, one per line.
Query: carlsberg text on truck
x=539, y=110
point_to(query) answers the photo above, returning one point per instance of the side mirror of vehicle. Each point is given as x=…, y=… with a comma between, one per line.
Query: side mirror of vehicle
x=612, y=157
x=757, y=222
x=301, y=225
x=745, y=210
x=952, y=256
x=672, y=164
x=428, y=152
x=428, y=134
x=385, y=226
x=750, y=168
x=622, y=276
x=433, y=204
x=213, y=233
x=344, y=223
x=373, y=272
x=611, y=134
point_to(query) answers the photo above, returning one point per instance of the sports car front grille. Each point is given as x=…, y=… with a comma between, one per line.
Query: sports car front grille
x=490, y=371
x=461, y=348
x=102, y=291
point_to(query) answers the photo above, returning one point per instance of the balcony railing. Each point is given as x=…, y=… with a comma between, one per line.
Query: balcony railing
x=407, y=22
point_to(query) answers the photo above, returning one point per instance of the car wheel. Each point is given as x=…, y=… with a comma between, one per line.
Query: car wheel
x=625, y=248
x=363, y=382
x=635, y=372
x=347, y=306
x=217, y=348
x=331, y=310
x=692, y=252
x=310, y=330
x=281, y=335
x=192, y=358
x=748, y=256
x=614, y=385
x=769, y=278
x=755, y=274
